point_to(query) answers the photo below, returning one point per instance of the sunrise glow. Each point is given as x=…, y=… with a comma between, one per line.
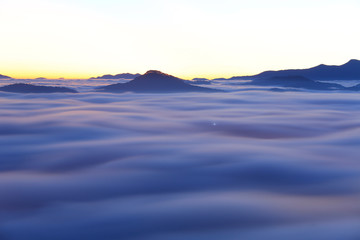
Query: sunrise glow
x=82, y=39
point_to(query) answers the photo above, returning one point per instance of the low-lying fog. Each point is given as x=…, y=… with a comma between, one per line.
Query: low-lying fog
x=248, y=165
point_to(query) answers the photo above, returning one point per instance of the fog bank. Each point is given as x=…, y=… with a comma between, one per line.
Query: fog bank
x=242, y=165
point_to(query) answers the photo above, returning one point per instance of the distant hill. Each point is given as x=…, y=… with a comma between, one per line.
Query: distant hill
x=348, y=71
x=199, y=81
x=295, y=82
x=29, y=88
x=155, y=82
x=118, y=76
x=4, y=77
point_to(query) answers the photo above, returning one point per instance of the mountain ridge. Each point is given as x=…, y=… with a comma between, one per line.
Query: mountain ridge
x=118, y=76
x=348, y=71
x=31, y=88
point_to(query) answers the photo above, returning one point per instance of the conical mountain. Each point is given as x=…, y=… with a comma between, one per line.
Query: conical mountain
x=155, y=82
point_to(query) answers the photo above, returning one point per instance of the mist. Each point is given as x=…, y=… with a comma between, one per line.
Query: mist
x=245, y=165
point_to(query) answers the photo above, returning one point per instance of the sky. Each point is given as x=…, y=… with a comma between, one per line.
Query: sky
x=185, y=38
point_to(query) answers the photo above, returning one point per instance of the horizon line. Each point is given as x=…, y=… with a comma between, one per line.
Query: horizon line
x=185, y=78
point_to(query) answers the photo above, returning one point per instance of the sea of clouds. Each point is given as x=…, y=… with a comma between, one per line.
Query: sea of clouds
x=248, y=165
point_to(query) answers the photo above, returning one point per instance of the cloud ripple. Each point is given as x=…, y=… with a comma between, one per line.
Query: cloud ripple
x=250, y=165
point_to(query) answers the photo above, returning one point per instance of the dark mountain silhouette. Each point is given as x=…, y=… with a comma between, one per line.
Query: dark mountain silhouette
x=118, y=76
x=40, y=78
x=295, y=82
x=29, y=88
x=155, y=82
x=233, y=78
x=348, y=71
x=4, y=77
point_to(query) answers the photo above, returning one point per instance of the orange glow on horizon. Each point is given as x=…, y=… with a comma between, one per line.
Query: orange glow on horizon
x=215, y=39
x=80, y=75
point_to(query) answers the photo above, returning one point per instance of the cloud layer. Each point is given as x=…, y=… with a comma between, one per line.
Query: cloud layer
x=251, y=165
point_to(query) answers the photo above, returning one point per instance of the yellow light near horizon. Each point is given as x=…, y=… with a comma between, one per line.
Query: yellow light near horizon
x=53, y=38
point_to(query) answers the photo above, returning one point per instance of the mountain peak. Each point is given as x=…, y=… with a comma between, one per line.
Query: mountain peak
x=347, y=71
x=154, y=81
x=156, y=72
x=353, y=61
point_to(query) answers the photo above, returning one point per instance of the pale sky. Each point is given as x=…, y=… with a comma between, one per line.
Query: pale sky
x=185, y=38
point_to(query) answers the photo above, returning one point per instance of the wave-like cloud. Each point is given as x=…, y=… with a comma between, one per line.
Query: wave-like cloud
x=252, y=165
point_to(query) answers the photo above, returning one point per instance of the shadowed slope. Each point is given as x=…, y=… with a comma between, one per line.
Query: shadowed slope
x=155, y=82
x=29, y=88
x=4, y=77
